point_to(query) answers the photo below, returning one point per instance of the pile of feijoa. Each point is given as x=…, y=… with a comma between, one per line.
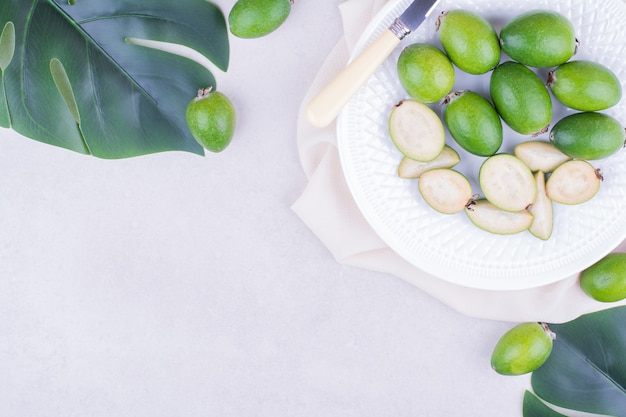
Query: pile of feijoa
x=517, y=189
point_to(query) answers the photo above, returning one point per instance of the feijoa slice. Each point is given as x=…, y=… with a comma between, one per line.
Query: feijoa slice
x=522, y=349
x=585, y=85
x=574, y=182
x=445, y=190
x=541, y=209
x=605, y=281
x=507, y=182
x=473, y=122
x=416, y=130
x=425, y=72
x=540, y=155
x=494, y=220
x=588, y=135
x=539, y=38
x=411, y=169
x=469, y=40
x=521, y=98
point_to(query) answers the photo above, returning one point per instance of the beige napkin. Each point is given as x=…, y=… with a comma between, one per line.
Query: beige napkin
x=327, y=208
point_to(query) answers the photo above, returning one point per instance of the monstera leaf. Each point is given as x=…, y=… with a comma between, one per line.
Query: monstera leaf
x=74, y=73
x=586, y=370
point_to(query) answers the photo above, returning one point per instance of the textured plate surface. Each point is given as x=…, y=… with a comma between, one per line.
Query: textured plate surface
x=450, y=246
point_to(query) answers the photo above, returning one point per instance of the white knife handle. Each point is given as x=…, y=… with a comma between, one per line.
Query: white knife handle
x=323, y=109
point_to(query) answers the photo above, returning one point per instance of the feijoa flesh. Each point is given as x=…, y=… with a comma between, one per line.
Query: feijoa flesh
x=507, y=182
x=495, y=220
x=445, y=190
x=522, y=349
x=410, y=169
x=425, y=72
x=469, y=40
x=521, y=98
x=211, y=119
x=257, y=18
x=574, y=182
x=473, y=122
x=540, y=155
x=541, y=209
x=585, y=85
x=539, y=38
x=416, y=130
x=588, y=135
x=605, y=281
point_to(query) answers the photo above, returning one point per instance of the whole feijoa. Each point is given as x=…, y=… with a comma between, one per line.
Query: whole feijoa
x=425, y=72
x=473, y=122
x=257, y=18
x=585, y=85
x=469, y=40
x=588, y=135
x=605, y=280
x=539, y=38
x=521, y=98
x=211, y=119
x=522, y=349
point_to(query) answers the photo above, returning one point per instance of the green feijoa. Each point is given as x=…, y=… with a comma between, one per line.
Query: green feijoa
x=521, y=98
x=473, y=122
x=588, y=135
x=585, y=85
x=211, y=119
x=539, y=38
x=605, y=281
x=257, y=18
x=469, y=40
x=425, y=72
x=522, y=349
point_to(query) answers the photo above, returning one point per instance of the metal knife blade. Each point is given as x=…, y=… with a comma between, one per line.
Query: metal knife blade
x=413, y=16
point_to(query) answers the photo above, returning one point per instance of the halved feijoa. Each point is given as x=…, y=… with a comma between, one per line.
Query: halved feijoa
x=540, y=155
x=410, y=168
x=507, y=182
x=445, y=190
x=494, y=220
x=521, y=98
x=416, y=130
x=588, y=135
x=574, y=182
x=585, y=85
x=541, y=209
x=473, y=122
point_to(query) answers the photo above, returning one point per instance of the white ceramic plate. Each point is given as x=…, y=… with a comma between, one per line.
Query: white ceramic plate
x=450, y=246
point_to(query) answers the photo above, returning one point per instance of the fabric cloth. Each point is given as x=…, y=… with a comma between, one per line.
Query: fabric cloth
x=326, y=206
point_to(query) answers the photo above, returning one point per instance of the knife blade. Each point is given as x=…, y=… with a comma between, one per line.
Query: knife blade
x=325, y=107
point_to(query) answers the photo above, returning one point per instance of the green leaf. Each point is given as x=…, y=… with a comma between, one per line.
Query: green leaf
x=587, y=368
x=534, y=407
x=71, y=78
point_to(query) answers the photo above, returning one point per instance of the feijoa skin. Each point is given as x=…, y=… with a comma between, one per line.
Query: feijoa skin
x=522, y=349
x=473, y=122
x=588, y=135
x=605, y=281
x=521, y=98
x=256, y=18
x=539, y=38
x=585, y=85
x=469, y=40
x=425, y=72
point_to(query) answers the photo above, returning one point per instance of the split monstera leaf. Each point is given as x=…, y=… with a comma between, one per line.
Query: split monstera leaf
x=78, y=74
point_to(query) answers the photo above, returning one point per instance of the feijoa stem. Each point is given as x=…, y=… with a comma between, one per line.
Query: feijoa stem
x=546, y=329
x=203, y=92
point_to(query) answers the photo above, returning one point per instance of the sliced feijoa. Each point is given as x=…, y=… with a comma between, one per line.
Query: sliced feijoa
x=494, y=220
x=574, y=182
x=507, y=182
x=521, y=98
x=473, y=122
x=470, y=41
x=585, y=85
x=416, y=130
x=588, y=135
x=541, y=209
x=445, y=190
x=539, y=38
x=425, y=72
x=410, y=168
x=540, y=155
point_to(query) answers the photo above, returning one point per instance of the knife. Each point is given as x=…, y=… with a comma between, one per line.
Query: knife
x=323, y=109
